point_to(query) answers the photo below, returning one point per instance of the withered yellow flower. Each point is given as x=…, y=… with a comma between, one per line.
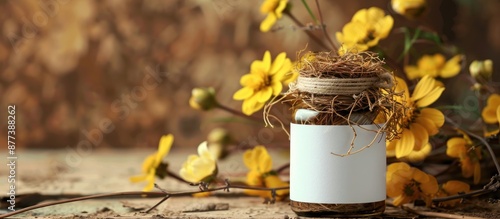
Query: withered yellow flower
x=406, y=184
x=266, y=79
x=366, y=28
x=468, y=155
x=274, y=10
x=419, y=121
x=434, y=66
x=452, y=187
x=152, y=163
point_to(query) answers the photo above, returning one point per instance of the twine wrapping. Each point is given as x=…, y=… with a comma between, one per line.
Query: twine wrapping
x=341, y=86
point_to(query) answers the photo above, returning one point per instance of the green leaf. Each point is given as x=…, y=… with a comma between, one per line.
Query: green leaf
x=409, y=40
x=432, y=36
x=310, y=12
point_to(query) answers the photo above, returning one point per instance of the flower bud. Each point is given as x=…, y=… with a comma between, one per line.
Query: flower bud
x=411, y=9
x=203, y=99
x=219, y=136
x=218, y=140
x=481, y=71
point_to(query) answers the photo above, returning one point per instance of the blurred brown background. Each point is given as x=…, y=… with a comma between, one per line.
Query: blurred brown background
x=71, y=65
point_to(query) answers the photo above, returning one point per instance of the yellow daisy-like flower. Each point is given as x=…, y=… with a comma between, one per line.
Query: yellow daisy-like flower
x=434, y=66
x=491, y=113
x=152, y=163
x=274, y=10
x=365, y=30
x=419, y=121
x=409, y=8
x=406, y=184
x=201, y=167
x=452, y=187
x=469, y=156
x=265, y=79
x=258, y=161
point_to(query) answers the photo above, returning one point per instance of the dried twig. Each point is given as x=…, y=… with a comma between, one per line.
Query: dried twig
x=203, y=187
x=437, y=214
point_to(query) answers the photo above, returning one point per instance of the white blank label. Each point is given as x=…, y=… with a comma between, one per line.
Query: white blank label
x=318, y=176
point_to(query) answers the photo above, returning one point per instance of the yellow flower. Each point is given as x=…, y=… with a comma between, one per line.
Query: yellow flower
x=274, y=10
x=481, y=71
x=434, y=66
x=406, y=184
x=264, y=80
x=201, y=167
x=203, y=99
x=491, y=113
x=468, y=155
x=419, y=121
x=365, y=30
x=151, y=165
x=409, y=8
x=452, y=187
x=258, y=161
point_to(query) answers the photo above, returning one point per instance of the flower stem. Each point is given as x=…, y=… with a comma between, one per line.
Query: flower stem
x=308, y=32
x=238, y=113
x=175, y=176
x=323, y=27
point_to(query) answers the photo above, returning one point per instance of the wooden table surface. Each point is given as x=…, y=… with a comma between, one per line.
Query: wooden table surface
x=59, y=172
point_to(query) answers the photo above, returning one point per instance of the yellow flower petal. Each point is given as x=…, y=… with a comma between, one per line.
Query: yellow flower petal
x=417, y=156
x=278, y=63
x=454, y=187
x=423, y=88
x=420, y=134
x=163, y=147
x=431, y=97
x=405, y=144
x=455, y=147
x=258, y=159
x=452, y=67
x=436, y=116
x=286, y=67
x=264, y=94
x=138, y=178
x=412, y=72
x=489, y=112
x=276, y=87
x=428, y=124
x=151, y=183
x=383, y=27
x=431, y=187
x=273, y=181
x=243, y=93
x=251, y=105
x=267, y=23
